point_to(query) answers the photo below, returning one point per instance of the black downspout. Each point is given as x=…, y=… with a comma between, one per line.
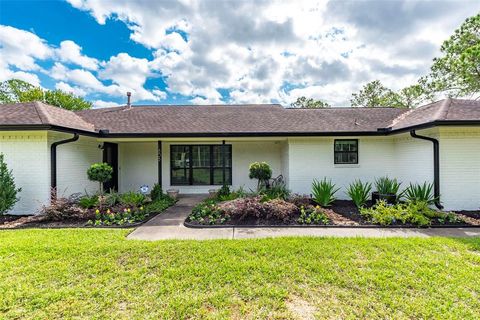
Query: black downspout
x=53, y=164
x=223, y=163
x=436, y=166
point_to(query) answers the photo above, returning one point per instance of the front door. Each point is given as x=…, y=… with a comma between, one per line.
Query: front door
x=110, y=156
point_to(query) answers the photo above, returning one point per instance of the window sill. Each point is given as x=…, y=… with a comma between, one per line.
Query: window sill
x=356, y=165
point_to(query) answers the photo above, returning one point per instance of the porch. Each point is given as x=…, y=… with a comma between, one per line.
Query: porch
x=193, y=166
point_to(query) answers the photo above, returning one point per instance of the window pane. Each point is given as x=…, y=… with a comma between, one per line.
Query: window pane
x=346, y=157
x=201, y=176
x=200, y=156
x=180, y=176
x=218, y=176
x=180, y=156
x=346, y=145
x=218, y=156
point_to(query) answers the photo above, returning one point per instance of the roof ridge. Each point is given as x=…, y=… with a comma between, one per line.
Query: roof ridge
x=42, y=114
x=442, y=110
x=400, y=117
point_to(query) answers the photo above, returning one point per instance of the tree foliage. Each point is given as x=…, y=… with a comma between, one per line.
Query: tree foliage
x=100, y=172
x=457, y=71
x=8, y=190
x=374, y=94
x=303, y=102
x=14, y=90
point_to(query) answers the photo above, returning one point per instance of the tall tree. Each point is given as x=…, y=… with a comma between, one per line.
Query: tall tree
x=457, y=71
x=303, y=102
x=14, y=90
x=375, y=94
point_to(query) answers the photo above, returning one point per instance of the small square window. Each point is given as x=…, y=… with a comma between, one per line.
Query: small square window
x=346, y=151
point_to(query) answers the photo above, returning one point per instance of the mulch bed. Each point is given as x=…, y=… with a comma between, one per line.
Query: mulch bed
x=38, y=221
x=342, y=213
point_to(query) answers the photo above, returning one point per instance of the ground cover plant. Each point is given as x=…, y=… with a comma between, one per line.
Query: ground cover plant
x=98, y=274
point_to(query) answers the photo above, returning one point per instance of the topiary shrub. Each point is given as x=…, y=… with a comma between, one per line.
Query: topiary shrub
x=8, y=190
x=100, y=172
x=262, y=172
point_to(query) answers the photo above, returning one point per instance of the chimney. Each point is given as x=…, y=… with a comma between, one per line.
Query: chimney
x=129, y=104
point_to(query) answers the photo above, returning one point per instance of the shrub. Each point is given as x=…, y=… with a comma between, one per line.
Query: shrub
x=8, y=190
x=111, y=199
x=132, y=199
x=88, y=202
x=280, y=209
x=260, y=171
x=100, y=172
x=385, y=185
x=160, y=205
x=359, y=192
x=323, y=192
x=278, y=190
x=312, y=215
x=119, y=217
x=415, y=213
x=420, y=193
x=207, y=212
x=157, y=192
x=65, y=209
x=242, y=208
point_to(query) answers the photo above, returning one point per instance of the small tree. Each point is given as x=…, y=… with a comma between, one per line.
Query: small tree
x=262, y=172
x=8, y=190
x=100, y=172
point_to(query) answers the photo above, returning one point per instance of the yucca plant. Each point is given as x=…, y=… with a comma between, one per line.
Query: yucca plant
x=385, y=185
x=359, y=192
x=323, y=192
x=420, y=193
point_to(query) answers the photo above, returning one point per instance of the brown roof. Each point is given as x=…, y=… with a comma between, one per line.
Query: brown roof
x=238, y=119
x=38, y=113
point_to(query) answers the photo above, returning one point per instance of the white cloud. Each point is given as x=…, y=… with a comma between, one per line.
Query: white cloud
x=68, y=88
x=69, y=51
x=20, y=48
x=104, y=104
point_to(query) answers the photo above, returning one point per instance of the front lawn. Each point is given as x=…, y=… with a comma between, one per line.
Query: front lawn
x=87, y=273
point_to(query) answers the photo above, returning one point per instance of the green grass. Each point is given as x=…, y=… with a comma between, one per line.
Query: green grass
x=48, y=274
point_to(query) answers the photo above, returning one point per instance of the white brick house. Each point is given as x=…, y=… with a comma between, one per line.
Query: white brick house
x=181, y=147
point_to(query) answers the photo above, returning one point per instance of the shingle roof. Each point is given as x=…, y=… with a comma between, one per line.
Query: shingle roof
x=237, y=119
x=38, y=113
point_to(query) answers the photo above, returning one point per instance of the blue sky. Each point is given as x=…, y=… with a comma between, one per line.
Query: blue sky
x=184, y=52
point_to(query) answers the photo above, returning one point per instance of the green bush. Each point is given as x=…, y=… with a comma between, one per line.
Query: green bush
x=8, y=190
x=157, y=192
x=88, y=202
x=132, y=199
x=420, y=193
x=415, y=213
x=359, y=192
x=312, y=215
x=385, y=185
x=100, y=172
x=111, y=199
x=260, y=171
x=159, y=205
x=207, y=212
x=278, y=190
x=323, y=192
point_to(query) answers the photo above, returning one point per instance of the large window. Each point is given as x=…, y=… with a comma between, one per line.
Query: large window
x=201, y=164
x=346, y=151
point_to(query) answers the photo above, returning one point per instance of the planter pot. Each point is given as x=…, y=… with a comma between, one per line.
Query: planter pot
x=212, y=193
x=173, y=193
x=390, y=198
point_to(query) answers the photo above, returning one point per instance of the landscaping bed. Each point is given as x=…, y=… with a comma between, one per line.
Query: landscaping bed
x=272, y=205
x=112, y=210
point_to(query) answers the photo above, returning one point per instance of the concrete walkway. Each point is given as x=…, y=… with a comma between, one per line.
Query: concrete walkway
x=169, y=225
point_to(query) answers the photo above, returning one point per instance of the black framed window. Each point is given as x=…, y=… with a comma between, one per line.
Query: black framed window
x=201, y=164
x=346, y=151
